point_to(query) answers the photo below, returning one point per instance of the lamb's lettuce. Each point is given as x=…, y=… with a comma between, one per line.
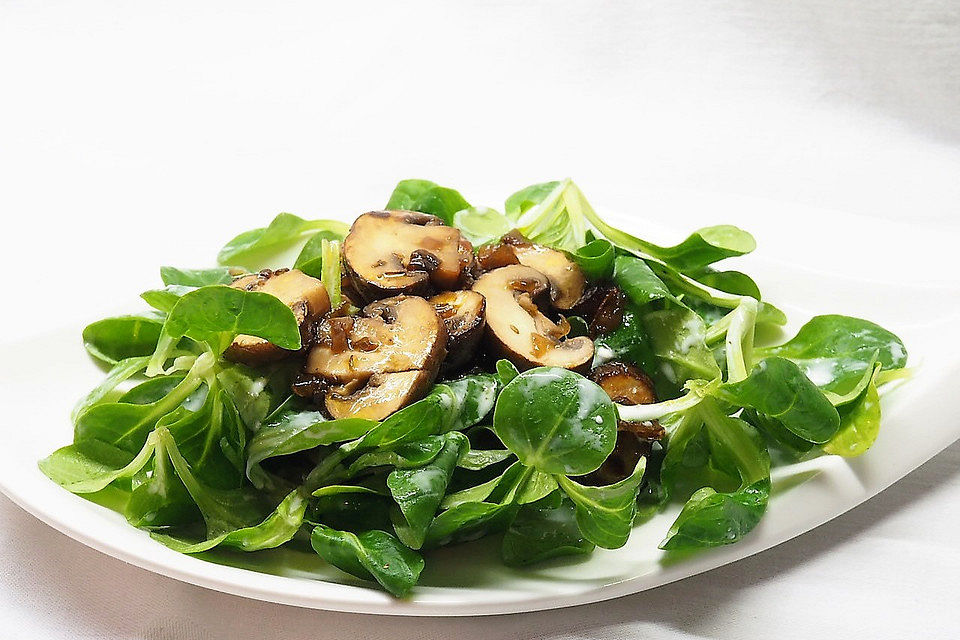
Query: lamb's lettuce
x=206, y=453
x=253, y=249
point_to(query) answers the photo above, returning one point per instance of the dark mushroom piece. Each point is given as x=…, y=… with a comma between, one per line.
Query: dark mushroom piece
x=626, y=385
x=306, y=297
x=602, y=307
x=369, y=366
x=379, y=395
x=388, y=253
x=516, y=327
x=567, y=282
x=389, y=336
x=463, y=314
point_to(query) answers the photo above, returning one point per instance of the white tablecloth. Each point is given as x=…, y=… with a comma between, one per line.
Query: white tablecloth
x=180, y=123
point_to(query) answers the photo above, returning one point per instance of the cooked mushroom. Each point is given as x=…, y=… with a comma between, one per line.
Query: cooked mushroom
x=627, y=385
x=567, y=282
x=602, y=306
x=518, y=330
x=463, y=315
x=388, y=253
x=305, y=296
x=379, y=396
x=398, y=334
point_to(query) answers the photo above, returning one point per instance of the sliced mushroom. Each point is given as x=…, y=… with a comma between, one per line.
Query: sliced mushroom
x=603, y=307
x=463, y=316
x=627, y=385
x=518, y=330
x=388, y=253
x=398, y=334
x=306, y=297
x=379, y=396
x=567, y=282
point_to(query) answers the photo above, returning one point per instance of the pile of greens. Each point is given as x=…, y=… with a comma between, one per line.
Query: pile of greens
x=207, y=453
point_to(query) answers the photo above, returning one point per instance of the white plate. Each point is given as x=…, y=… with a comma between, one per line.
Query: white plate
x=820, y=262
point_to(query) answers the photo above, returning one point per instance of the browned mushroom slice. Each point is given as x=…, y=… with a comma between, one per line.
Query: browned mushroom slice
x=397, y=334
x=305, y=296
x=463, y=315
x=567, y=282
x=627, y=385
x=602, y=307
x=404, y=252
x=379, y=396
x=516, y=328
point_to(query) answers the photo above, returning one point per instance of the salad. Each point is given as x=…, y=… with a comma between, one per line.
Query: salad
x=438, y=372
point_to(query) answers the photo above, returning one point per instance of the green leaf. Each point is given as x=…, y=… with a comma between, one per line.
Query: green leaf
x=215, y=315
x=638, y=281
x=126, y=425
x=196, y=277
x=87, y=467
x=736, y=283
x=122, y=337
x=678, y=340
x=542, y=530
x=475, y=396
x=557, y=220
x=596, y=259
x=223, y=510
x=835, y=351
x=506, y=371
x=211, y=440
x=493, y=490
x=251, y=249
x=352, y=511
x=427, y=197
x=330, y=271
x=291, y=431
x=406, y=456
x=481, y=225
x=165, y=299
x=407, y=192
x=527, y=198
x=107, y=390
x=373, y=555
x=418, y=491
x=778, y=388
x=859, y=423
x=475, y=459
x=255, y=392
x=276, y=529
x=421, y=419
x=605, y=514
x=711, y=519
x=310, y=259
x=705, y=246
x=469, y=521
x=158, y=498
x=707, y=444
x=556, y=421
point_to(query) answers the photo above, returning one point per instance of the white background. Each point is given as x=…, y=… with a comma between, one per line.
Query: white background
x=138, y=134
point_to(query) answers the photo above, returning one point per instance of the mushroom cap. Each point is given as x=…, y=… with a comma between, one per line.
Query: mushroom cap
x=625, y=383
x=387, y=253
x=398, y=334
x=306, y=297
x=567, y=282
x=516, y=328
x=463, y=315
x=379, y=396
